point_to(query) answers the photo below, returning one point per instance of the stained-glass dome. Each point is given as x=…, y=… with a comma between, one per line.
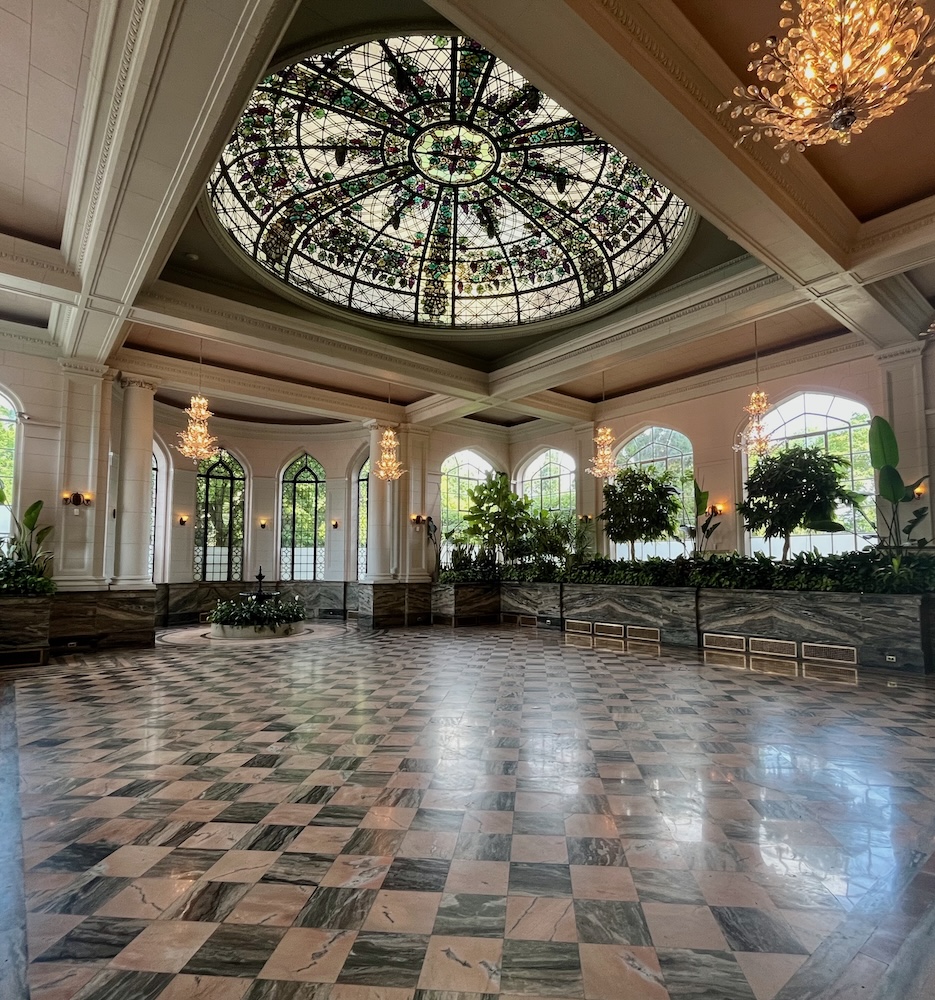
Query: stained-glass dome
x=423, y=180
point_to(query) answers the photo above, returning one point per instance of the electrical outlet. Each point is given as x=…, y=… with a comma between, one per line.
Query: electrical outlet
x=890, y=658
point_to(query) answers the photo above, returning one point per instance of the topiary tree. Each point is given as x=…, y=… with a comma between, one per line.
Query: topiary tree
x=640, y=505
x=796, y=488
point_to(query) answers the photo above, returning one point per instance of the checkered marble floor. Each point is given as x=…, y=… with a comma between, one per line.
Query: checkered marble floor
x=434, y=814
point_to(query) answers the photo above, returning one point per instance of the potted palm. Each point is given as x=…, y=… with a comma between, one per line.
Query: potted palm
x=25, y=588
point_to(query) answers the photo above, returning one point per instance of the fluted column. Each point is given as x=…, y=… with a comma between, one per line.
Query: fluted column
x=134, y=485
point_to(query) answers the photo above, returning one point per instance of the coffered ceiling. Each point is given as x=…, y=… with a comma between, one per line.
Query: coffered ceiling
x=130, y=272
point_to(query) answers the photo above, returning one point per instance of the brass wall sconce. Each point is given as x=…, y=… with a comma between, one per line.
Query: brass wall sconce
x=335, y=522
x=586, y=518
x=264, y=521
x=183, y=520
x=76, y=500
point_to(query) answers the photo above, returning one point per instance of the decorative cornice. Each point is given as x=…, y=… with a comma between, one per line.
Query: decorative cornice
x=116, y=103
x=139, y=382
x=74, y=366
x=18, y=258
x=900, y=353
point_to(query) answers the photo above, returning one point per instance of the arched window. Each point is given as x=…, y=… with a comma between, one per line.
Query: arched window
x=154, y=496
x=838, y=426
x=219, y=519
x=7, y=459
x=669, y=452
x=302, y=515
x=460, y=472
x=363, y=508
x=550, y=480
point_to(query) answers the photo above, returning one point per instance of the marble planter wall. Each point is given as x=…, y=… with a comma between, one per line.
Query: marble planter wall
x=541, y=600
x=392, y=605
x=184, y=603
x=102, y=619
x=877, y=625
x=24, y=625
x=669, y=609
x=465, y=604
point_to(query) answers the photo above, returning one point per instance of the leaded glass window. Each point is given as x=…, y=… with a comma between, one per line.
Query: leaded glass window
x=670, y=453
x=7, y=459
x=461, y=472
x=839, y=426
x=363, y=508
x=550, y=480
x=423, y=180
x=219, y=518
x=302, y=516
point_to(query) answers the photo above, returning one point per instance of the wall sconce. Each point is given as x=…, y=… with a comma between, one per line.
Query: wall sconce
x=334, y=522
x=76, y=500
x=715, y=510
x=183, y=520
x=264, y=521
x=919, y=491
x=417, y=521
x=586, y=518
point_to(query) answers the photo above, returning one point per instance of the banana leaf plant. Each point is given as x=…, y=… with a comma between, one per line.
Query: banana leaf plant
x=700, y=534
x=893, y=495
x=24, y=562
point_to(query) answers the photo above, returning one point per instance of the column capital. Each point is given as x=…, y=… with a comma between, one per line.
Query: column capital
x=130, y=381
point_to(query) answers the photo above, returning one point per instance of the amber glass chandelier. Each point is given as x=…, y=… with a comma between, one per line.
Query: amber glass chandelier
x=842, y=64
x=196, y=442
x=388, y=465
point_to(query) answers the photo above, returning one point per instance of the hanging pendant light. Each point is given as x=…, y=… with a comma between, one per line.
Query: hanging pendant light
x=754, y=439
x=196, y=442
x=603, y=465
x=388, y=466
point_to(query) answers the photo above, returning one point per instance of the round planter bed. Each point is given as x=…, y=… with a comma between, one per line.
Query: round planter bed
x=254, y=632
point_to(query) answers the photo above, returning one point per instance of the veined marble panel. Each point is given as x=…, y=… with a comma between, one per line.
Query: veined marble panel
x=543, y=599
x=418, y=603
x=351, y=598
x=74, y=614
x=126, y=618
x=24, y=622
x=466, y=599
x=878, y=625
x=670, y=609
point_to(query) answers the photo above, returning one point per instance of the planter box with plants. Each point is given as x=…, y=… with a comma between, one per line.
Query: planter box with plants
x=255, y=618
x=25, y=589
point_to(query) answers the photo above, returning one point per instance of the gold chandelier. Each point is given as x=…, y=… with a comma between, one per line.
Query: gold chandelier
x=196, y=442
x=842, y=64
x=388, y=465
x=603, y=465
x=754, y=439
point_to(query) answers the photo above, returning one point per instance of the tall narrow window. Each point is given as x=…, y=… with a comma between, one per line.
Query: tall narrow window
x=460, y=473
x=550, y=480
x=838, y=426
x=7, y=458
x=219, y=527
x=154, y=487
x=669, y=453
x=363, y=509
x=302, y=515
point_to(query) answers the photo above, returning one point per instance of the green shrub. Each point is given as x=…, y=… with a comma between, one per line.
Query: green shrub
x=260, y=614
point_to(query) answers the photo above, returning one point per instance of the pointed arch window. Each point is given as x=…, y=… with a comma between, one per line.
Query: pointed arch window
x=838, y=426
x=363, y=509
x=7, y=459
x=302, y=516
x=550, y=480
x=219, y=518
x=667, y=451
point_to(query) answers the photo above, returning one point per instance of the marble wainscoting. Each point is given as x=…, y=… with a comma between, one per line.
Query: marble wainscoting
x=540, y=600
x=322, y=598
x=393, y=605
x=98, y=619
x=879, y=626
x=669, y=609
x=460, y=604
x=184, y=603
x=24, y=625
x=351, y=596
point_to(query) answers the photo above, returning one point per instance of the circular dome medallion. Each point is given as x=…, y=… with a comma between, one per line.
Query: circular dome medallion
x=423, y=180
x=454, y=154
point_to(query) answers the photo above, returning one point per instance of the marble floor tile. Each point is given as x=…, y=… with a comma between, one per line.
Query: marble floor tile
x=462, y=964
x=385, y=959
x=614, y=971
x=536, y=918
x=309, y=955
x=403, y=912
x=235, y=950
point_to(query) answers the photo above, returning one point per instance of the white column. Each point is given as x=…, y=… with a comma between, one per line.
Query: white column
x=134, y=489
x=589, y=489
x=380, y=528
x=418, y=559
x=80, y=534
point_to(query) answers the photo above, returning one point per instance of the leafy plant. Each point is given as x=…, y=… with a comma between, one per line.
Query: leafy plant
x=640, y=505
x=796, y=488
x=700, y=534
x=260, y=615
x=892, y=493
x=498, y=519
x=24, y=562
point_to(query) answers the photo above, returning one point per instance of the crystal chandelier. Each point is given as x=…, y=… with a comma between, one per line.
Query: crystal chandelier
x=388, y=465
x=196, y=442
x=842, y=64
x=603, y=465
x=754, y=438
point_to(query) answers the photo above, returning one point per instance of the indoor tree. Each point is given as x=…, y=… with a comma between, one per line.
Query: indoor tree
x=796, y=488
x=497, y=519
x=640, y=505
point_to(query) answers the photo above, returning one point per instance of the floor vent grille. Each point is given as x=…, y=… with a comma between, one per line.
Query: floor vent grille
x=610, y=629
x=643, y=634
x=527, y=621
x=773, y=647
x=714, y=640
x=574, y=625
x=824, y=651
